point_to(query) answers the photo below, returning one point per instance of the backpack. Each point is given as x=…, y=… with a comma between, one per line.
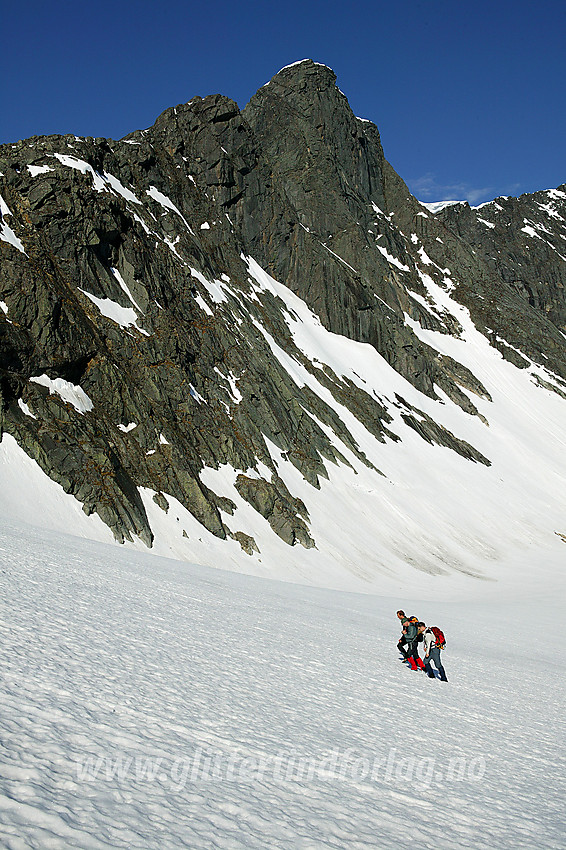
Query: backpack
x=414, y=621
x=439, y=635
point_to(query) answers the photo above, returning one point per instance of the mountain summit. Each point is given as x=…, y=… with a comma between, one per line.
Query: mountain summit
x=237, y=332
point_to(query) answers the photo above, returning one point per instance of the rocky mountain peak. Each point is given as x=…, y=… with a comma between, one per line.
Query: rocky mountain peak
x=304, y=84
x=322, y=134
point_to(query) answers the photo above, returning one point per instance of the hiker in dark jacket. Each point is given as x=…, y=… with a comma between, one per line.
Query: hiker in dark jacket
x=403, y=640
x=432, y=653
x=412, y=637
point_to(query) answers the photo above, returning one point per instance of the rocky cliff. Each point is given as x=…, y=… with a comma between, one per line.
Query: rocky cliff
x=145, y=330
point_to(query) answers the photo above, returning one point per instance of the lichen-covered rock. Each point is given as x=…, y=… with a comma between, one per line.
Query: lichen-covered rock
x=274, y=502
x=247, y=542
x=161, y=501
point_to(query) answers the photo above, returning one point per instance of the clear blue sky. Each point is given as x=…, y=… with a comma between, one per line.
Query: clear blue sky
x=469, y=97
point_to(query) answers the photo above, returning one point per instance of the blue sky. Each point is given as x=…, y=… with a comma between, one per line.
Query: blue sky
x=468, y=96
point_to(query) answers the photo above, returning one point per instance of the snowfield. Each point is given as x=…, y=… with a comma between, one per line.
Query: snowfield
x=149, y=703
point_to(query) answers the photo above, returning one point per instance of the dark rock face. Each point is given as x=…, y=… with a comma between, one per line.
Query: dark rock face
x=124, y=273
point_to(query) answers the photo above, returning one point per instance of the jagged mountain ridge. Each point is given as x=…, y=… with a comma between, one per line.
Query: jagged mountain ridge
x=127, y=272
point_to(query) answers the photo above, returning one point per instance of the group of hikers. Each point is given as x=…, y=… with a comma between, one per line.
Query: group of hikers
x=432, y=638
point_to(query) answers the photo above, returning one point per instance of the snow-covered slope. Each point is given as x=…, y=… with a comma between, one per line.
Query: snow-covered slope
x=153, y=705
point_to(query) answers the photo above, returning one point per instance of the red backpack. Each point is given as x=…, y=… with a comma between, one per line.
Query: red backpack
x=439, y=635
